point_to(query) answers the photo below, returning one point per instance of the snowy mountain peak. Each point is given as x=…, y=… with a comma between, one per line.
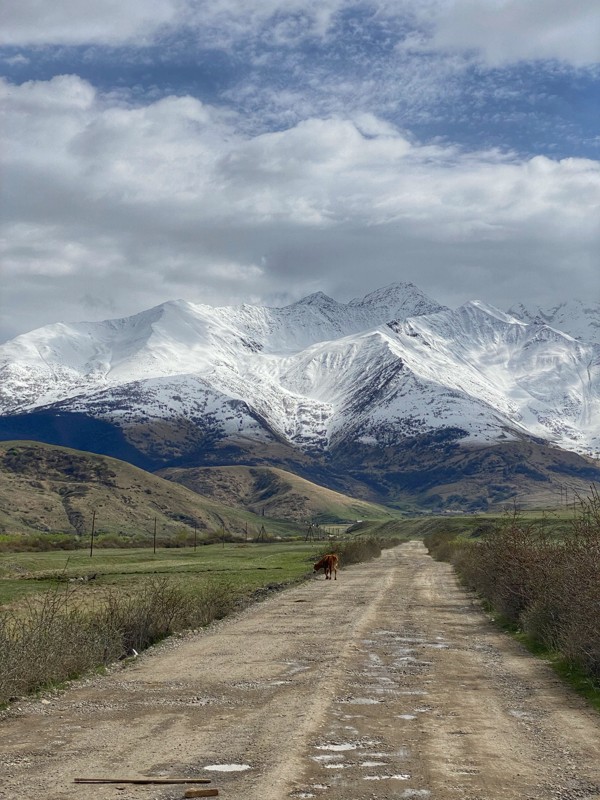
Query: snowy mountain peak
x=491, y=311
x=399, y=295
x=578, y=319
x=319, y=299
x=318, y=373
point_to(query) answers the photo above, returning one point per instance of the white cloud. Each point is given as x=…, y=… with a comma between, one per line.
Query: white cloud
x=220, y=22
x=500, y=31
x=37, y=22
x=281, y=22
x=131, y=205
x=504, y=31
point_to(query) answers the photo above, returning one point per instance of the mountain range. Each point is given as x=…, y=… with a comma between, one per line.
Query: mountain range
x=364, y=396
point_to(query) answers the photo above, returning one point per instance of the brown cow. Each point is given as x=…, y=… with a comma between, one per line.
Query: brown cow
x=329, y=563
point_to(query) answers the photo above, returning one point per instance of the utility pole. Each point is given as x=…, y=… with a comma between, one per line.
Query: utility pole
x=195, y=535
x=93, y=529
x=262, y=534
x=154, y=538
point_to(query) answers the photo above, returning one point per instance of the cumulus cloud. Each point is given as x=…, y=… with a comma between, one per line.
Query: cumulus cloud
x=504, y=31
x=134, y=204
x=221, y=22
x=31, y=22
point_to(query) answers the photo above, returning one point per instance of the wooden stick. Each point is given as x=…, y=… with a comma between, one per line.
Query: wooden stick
x=142, y=780
x=201, y=793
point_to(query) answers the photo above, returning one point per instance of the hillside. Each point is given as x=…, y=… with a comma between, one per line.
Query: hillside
x=280, y=494
x=45, y=489
x=434, y=471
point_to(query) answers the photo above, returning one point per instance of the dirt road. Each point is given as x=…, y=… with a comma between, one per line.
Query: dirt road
x=387, y=683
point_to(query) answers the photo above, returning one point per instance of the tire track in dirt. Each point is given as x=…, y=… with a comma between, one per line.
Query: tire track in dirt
x=389, y=682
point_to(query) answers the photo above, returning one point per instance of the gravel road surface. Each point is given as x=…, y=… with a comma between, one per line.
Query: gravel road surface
x=387, y=683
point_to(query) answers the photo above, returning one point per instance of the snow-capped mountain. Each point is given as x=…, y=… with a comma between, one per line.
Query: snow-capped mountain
x=578, y=319
x=314, y=375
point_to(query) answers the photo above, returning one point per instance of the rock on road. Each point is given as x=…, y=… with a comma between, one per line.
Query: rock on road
x=387, y=683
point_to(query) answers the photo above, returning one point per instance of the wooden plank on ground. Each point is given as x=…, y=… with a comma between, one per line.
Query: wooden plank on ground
x=201, y=793
x=142, y=780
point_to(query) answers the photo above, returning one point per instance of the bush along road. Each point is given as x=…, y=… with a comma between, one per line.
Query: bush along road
x=387, y=683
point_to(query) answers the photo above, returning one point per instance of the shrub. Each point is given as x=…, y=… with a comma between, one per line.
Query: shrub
x=361, y=549
x=546, y=586
x=55, y=636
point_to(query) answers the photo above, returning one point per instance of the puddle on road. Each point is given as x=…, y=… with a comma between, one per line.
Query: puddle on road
x=294, y=667
x=515, y=712
x=359, y=701
x=227, y=767
x=410, y=639
x=337, y=748
x=323, y=759
x=389, y=690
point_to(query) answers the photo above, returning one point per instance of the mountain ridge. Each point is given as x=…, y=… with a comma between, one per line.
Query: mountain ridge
x=313, y=377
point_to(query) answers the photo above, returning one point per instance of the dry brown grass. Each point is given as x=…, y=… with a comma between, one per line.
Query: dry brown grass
x=58, y=635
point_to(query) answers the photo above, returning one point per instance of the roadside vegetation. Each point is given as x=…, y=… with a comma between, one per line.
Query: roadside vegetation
x=64, y=614
x=354, y=549
x=541, y=581
x=60, y=634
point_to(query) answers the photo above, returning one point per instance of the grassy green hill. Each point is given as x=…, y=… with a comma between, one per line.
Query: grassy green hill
x=46, y=489
x=279, y=494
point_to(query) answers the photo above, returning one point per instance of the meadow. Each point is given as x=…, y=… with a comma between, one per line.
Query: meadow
x=246, y=566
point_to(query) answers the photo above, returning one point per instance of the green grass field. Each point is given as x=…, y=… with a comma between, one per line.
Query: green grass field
x=557, y=523
x=246, y=566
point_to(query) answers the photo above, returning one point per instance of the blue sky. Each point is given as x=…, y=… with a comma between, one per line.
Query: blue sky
x=239, y=151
